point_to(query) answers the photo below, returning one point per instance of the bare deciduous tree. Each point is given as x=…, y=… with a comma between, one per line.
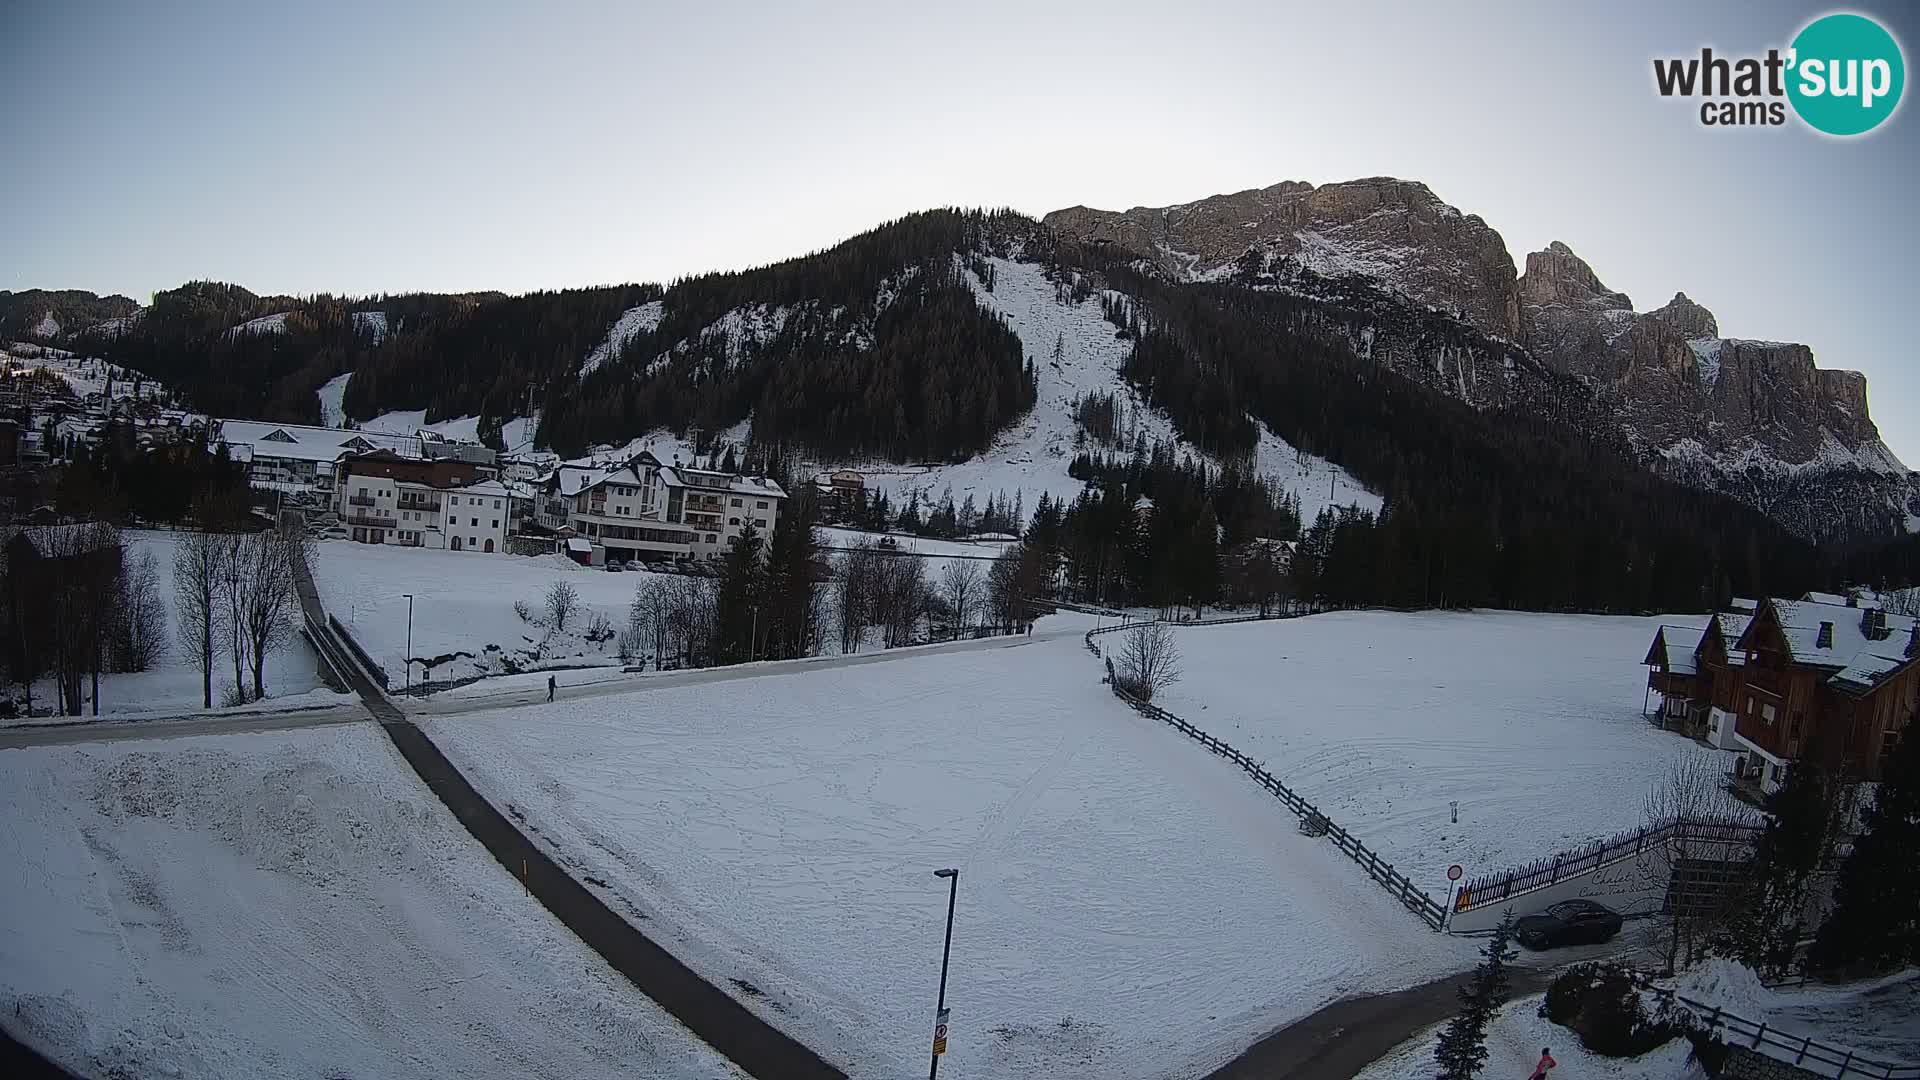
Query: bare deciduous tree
x=142, y=636
x=960, y=582
x=1149, y=660
x=562, y=602
x=266, y=608
x=858, y=572
x=197, y=571
x=1693, y=793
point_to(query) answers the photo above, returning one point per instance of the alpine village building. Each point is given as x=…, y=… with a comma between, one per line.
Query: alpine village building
x=641, y=510
x=1779, y=679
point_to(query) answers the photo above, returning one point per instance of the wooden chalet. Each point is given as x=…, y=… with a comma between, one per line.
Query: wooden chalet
x=1699, y=677
x=1839, y=678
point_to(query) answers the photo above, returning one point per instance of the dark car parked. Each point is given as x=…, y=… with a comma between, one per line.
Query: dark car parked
x=1570, y=922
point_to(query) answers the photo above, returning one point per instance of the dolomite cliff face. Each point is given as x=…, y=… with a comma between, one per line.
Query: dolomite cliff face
x=1755, y=419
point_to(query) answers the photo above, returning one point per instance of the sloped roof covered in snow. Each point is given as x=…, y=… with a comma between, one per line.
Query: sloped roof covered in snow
x=303, y=443
x=706, y=480
x=1864, y=644
x=1673, y=648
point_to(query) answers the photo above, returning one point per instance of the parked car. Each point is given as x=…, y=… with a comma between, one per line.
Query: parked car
x=614, y=566
x=1570, y=922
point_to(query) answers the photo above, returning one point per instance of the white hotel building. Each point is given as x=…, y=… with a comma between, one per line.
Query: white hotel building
x=652, y=512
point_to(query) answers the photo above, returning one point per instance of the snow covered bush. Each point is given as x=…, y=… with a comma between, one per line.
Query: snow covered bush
x=521, y=609
x=1601, y=1004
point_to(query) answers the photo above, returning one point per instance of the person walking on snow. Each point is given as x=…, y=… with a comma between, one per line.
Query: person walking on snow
x=551, y=685
x=1545, y=1066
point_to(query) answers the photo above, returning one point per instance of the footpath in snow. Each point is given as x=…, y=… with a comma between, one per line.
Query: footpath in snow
x=1530, y=722
x=290, y=904
x=1127, y=906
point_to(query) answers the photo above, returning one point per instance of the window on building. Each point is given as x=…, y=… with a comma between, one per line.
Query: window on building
x=733, y=521
x=1766, y=713
x=760, y=505
x=759, y=523
x=472, y=540
x=453, y=500
x=712, y=539
x=475, y=522
x=736, y=502
x=496, y=524
x=496, y=504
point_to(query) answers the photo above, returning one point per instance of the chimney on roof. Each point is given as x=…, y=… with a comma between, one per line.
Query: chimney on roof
x=1853, y=599
x=1873, y=623
x=1825, y=638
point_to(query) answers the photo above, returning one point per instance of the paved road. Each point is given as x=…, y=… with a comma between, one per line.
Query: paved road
x=756, y=1046
x=477, y=700
x=1348, y=1035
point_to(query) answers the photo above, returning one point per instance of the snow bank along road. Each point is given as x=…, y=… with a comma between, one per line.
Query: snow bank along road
x=289, y=904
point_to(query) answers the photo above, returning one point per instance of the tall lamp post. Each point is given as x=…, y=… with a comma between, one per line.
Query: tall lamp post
x=409, y=657
x=946, y=951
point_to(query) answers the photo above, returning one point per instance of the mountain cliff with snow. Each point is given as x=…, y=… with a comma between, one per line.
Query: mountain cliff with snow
x=1753, y=419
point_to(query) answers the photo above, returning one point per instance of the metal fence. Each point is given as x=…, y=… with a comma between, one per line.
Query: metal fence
x=1500, y=885
x=1424, y=907
x=1796, y=1050
x=374, y=671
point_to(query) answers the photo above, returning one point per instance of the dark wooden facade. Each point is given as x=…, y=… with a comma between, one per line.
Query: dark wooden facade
x=1790, y=704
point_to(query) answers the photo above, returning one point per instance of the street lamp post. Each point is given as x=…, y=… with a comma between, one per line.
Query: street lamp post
x=409, y=657
x=946, y=951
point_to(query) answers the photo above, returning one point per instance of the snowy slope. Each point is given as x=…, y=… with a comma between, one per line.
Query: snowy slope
x=1128, y=908
x=373, y=322
x=1032, y=455
x=1531, y=722
x=265, y=324
x=632, y=322
x=290, y=904
x=331, y=394
x=1514, y=1041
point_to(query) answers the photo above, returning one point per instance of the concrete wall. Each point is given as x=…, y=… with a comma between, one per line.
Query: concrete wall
x=1633, y=885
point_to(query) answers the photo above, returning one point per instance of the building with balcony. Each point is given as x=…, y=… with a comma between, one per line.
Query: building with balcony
x=642, y=510
x=447, y=503
x=1830, y=675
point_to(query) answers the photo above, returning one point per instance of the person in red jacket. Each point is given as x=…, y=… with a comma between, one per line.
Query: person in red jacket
x=1545, y=1066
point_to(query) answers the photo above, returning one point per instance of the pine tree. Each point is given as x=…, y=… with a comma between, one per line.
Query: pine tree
x=1764, y=932
x=792, y=606
x=742, y=581
x=1463, y=1046
x=1875, y=923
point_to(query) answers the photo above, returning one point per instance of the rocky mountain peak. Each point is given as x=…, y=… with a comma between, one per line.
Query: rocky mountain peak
x=1687, y=318
x=1395, y=232
x=1557, y=276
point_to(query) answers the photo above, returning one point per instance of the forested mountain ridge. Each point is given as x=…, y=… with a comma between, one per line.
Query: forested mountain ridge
x=894, y=346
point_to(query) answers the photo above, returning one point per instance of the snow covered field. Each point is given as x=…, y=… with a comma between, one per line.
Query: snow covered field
x=1128, y=907
x=173, y=684
x=290, y=904
x=1531, y=722
x=462, y=604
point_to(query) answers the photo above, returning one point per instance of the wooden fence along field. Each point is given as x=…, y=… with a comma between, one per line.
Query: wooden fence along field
x=1424, y=907
x=1796, y=1050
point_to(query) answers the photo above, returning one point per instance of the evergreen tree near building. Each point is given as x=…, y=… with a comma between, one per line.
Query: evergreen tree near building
x=1462, y=1049
x=1765, y=931
x=792, y=602
x=742, y=587
x=1875, y=923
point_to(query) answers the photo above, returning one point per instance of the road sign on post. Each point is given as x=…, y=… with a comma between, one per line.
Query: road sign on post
x=1454, y=872
x=940, y=1033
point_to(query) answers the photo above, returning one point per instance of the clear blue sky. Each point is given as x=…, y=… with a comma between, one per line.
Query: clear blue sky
x=359, y=148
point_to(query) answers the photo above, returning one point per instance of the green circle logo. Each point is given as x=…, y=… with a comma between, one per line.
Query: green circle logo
x=1846, y=76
